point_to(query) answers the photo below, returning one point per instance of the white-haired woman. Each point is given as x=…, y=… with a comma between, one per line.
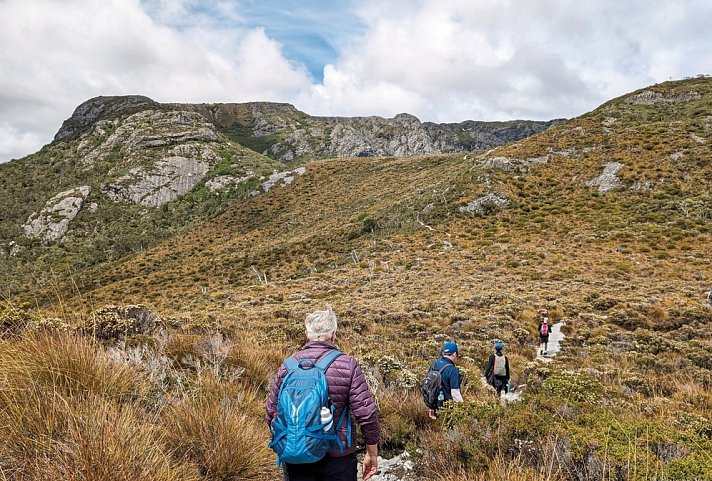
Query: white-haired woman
x=348, y=390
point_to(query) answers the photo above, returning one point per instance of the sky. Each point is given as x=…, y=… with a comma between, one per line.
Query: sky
x=440, y=60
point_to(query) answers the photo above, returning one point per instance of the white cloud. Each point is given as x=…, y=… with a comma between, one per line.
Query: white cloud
x=15, y=144
x=492, y=59
x=56, y=55
x=442, y=60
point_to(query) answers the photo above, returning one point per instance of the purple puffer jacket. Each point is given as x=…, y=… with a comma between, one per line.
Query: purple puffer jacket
x=347, y=387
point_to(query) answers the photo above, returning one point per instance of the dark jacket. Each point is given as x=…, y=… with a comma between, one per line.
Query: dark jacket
x=490, y=369
x=548, y=332
x=347, y=387
x=450, y=376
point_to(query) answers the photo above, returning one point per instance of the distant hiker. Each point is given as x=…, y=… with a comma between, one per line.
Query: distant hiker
x=442, y=382
x=316, y=393
x=544, y=331
x=497, y=371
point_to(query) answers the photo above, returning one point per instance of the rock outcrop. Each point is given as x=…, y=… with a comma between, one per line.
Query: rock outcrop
x=222, y=182
x=144, y=136
x=174, y=150
x=286, y=134
x=52, y=222
x=280, y=178
x=93, y=110
x=649, y=97
x=402, y=136
x=608, y=180
x=485, y=205
x=162, y=182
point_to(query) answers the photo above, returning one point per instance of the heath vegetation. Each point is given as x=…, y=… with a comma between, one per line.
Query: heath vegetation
x=176, y=389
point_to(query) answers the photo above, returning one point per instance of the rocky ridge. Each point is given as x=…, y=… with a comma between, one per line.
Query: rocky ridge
x=283, y=133
x=286, y=134
x=145, y=153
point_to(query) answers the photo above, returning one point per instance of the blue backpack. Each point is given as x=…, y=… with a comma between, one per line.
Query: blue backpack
x=298, y=434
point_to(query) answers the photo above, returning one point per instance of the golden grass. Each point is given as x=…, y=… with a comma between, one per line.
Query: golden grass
x=67, y=364
x=67, y=411
x=220, y=436
x=107, y=442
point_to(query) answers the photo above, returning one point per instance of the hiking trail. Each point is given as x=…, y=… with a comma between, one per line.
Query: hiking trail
x=399, y=468
x=554, y=346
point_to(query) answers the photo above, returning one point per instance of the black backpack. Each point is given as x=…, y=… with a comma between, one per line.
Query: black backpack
x=431, y=386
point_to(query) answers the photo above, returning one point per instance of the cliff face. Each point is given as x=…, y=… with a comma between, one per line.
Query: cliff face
x=284, y=133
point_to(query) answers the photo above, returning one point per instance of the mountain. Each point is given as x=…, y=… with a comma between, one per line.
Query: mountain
x=125, y=172
x=630, y=178
x=285, y=134
x=604, y=221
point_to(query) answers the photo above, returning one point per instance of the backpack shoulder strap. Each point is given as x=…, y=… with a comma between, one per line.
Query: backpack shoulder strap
x=291, y=363
x=325, y=361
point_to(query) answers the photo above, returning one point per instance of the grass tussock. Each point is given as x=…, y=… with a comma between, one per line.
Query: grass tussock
x=104, y=441
x=66, y=364
x=220, y=437
x=71, y=409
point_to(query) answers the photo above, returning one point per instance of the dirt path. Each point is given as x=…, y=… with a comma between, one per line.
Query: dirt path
x=554, y=346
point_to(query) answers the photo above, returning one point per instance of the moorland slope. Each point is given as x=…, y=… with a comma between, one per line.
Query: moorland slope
x=604, y=221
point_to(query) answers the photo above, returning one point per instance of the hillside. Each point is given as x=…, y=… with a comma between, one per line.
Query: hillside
x=126, y=172
x=122, y=174
x=604, y=220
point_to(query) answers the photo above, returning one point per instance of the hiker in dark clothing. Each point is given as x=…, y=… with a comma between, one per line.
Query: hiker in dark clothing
x=544, y=331
x=497, y=371
x=450, y=387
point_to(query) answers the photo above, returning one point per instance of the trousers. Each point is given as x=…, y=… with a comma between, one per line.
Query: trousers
x=327, y=469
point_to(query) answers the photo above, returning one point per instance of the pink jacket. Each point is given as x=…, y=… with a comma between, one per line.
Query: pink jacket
x=347, y=387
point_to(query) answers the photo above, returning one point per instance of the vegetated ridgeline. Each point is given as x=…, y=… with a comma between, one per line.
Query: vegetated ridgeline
x=125, y=172
x=603, y=220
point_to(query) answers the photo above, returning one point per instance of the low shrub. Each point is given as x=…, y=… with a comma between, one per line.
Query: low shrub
x=403, y=415
x=115, y=322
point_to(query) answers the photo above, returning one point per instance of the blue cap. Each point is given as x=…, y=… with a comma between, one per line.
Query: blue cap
x=449, y=348
x=499, y=345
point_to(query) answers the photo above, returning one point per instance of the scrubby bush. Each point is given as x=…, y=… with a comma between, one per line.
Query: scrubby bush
x=14, y=318
x=114, y=322
x=573, y=386
x=402, y=415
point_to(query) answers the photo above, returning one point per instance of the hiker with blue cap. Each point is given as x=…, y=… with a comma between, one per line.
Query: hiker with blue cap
x=442, y=382
x=497, y=371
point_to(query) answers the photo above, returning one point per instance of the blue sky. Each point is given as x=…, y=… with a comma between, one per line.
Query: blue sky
x=311, y=33
x=440, y=60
